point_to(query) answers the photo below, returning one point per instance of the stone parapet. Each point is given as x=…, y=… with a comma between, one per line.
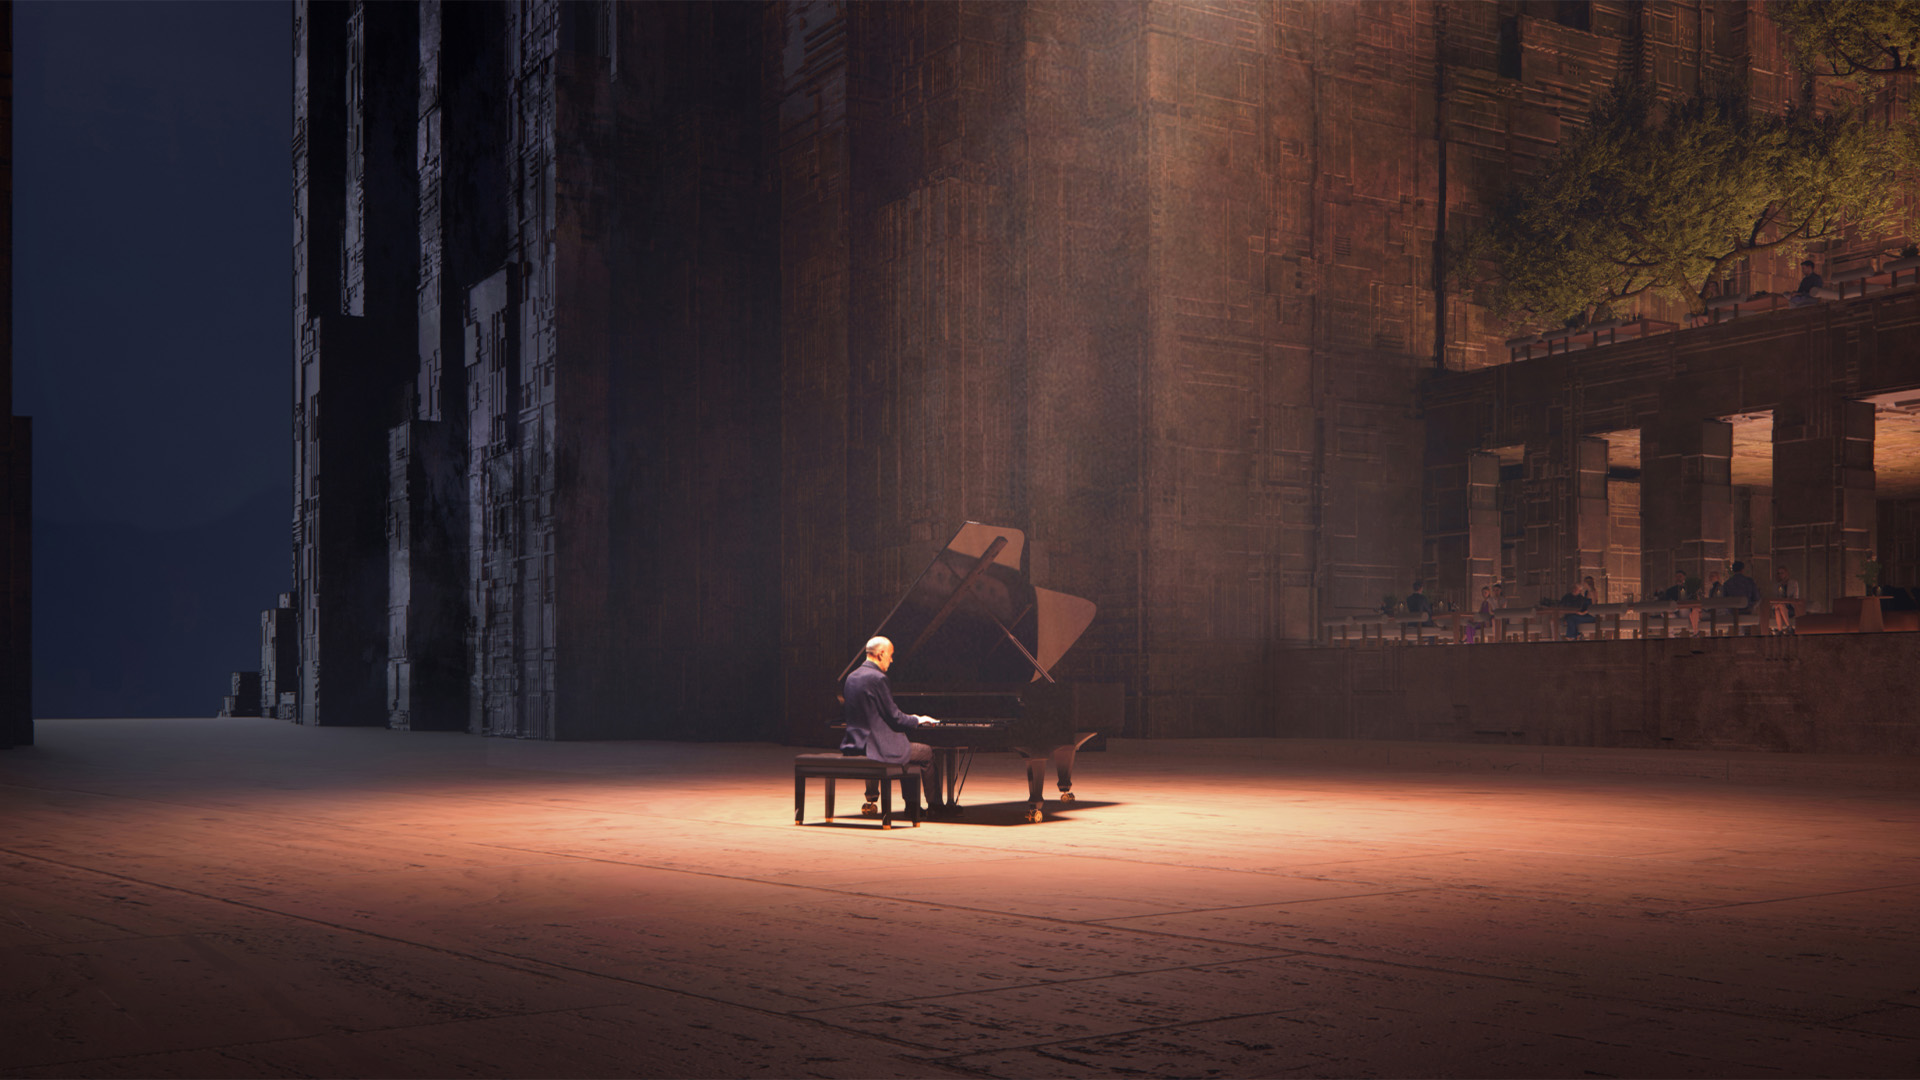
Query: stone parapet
x=1897, y=772
x=1832, y=693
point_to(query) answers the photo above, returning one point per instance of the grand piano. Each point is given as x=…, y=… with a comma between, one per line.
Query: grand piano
x=975, y=644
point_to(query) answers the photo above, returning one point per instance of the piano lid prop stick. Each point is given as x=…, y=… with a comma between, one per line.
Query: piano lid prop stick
x=953, y=600
x=1017, y=620
x=946, y=609
x=1044, y=673
x=1004, y=629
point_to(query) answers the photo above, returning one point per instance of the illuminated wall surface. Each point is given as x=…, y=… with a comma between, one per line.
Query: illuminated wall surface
x=645, y=352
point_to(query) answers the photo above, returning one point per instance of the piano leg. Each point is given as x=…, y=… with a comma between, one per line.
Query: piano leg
x=830, y=782
x=872, y=806
x=1036, y=785
x=942, y=784
x=1063, y=763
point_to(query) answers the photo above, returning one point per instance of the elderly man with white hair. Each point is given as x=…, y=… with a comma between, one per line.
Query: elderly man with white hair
x=876, y=728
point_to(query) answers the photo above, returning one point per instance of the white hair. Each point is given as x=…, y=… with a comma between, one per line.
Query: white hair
x=875, y=644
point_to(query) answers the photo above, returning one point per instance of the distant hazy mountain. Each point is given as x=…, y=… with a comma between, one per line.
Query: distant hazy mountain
x=128, y=622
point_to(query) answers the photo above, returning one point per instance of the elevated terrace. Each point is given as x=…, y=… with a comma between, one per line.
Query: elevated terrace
x=1782, y=438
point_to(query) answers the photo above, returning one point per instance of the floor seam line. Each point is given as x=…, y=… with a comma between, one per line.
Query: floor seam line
x=443, y=950
x=1129, y=1031
x=830, y=891
x=1047, y=983
x=1790, y=899
x=1105, y=919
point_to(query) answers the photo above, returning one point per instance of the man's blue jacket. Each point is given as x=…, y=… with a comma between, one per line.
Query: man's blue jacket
x=875, y=725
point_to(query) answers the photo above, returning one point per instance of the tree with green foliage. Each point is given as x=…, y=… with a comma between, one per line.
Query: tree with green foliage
x=1856, y=40
x=1663, y=198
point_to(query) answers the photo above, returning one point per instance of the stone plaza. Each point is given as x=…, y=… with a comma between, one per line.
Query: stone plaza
x=244, y=898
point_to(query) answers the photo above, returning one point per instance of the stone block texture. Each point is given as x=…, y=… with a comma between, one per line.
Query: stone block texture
x=1808, y=369
x=537, y=279
x=1814, y=694
x=662, y=343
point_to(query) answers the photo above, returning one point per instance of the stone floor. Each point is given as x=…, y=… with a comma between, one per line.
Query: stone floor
x=244, y=897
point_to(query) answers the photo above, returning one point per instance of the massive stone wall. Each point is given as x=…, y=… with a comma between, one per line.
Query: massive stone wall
x=355, y=268
x=691, y=618
x=1834, y=693
x=1091, y=291
x=666, y=339
x=462, y=205
x=1517, y=76
x=807, y=79
x=1811, y=369
x=534, y=276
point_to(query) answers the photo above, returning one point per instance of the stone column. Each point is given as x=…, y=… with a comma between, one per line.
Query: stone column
x=1753, y=529
x=1823, y=498
x=1686, y=498
x=1462, y=550
x=1563, y=516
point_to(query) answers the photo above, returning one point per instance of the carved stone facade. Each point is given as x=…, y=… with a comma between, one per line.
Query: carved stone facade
x=1816, y=372
x=1829, y=694
x=663, y=342
x=538, y=283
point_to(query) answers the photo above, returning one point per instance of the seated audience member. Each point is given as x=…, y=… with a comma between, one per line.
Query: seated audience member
x=1575, y=604
x=1714, y=588
x=1473, y=627
x=1809, y=281
x=1679, y=593
x=1786, y=600
x=1740, y=585
x=1418, y=604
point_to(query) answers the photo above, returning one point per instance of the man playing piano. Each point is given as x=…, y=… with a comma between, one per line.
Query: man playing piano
x=876, y=728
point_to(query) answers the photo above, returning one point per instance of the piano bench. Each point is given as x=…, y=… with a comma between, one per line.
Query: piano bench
x=832, y=767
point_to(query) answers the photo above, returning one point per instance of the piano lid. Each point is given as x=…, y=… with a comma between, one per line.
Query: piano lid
x=973, y=617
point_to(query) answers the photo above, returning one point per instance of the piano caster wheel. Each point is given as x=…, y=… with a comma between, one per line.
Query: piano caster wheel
x=1066, y=796
x=1033, y=815
x=869, y=810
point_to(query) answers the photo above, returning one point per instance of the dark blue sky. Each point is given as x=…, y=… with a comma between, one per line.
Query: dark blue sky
x=152, y=228
x=152, y=225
